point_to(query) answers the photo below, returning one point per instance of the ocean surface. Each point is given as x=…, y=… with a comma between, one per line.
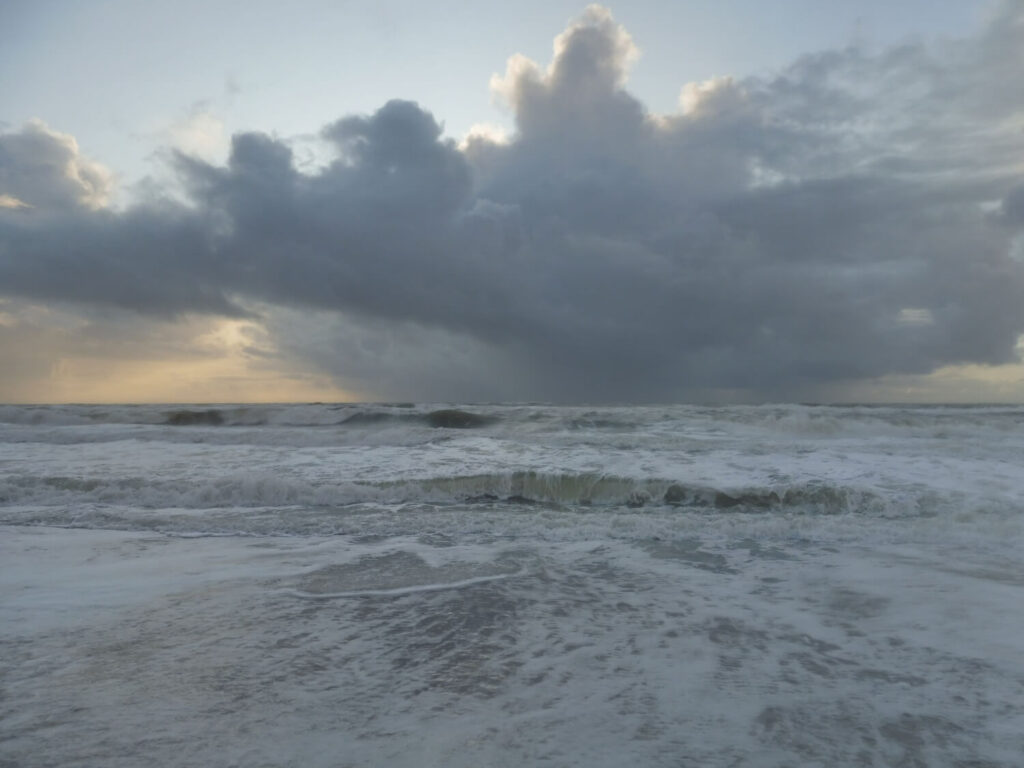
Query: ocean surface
x=429, y=585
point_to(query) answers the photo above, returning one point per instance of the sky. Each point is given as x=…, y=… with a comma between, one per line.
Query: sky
x=660, y=202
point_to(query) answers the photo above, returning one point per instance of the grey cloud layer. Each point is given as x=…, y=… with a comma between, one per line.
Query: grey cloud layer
x=852, y=217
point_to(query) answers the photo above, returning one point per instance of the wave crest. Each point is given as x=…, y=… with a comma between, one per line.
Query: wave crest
x=560, y=489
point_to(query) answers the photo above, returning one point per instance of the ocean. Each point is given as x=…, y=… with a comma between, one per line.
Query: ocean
x=511, y=585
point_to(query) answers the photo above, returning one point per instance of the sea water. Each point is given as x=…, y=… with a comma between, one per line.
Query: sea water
x=414, y=585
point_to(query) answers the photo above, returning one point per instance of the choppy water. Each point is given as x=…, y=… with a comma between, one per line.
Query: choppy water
x=511, y=585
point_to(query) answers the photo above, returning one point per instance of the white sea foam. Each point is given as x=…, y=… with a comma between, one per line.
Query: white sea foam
x=779, y=585
x=407, y=590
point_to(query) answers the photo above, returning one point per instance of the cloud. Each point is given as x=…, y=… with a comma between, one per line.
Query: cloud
x=1013, y=207
x=396, y=361
x=13, y=204
x=589, y=69
x=831, y=223
x=200, y=133
x=44, y=169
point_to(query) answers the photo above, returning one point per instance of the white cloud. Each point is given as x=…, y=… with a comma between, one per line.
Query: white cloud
x=201, y=134
x=42, y=168
x=12, y=203
x=484, y=133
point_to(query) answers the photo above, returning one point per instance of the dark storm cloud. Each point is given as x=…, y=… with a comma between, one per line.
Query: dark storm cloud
x=833, y=222
x=1013, y=206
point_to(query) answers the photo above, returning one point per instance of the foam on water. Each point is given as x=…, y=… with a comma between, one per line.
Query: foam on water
x=328, y=585
x=887, y=462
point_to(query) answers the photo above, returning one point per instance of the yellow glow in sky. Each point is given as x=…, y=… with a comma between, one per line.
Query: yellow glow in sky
x=210, y=361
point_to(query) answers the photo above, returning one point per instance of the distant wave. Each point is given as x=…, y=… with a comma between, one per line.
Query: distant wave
x=447, y=418
x=799, y=421
x=209, y=418
x=311, y=415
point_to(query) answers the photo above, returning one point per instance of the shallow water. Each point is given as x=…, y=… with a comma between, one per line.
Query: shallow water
x=355, y=585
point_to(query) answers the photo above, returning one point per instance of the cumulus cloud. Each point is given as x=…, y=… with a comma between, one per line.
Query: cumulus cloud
x=831, y=223
x=42, y=168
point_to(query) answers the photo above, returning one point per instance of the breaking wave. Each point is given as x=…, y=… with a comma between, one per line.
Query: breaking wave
x=562, y=490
